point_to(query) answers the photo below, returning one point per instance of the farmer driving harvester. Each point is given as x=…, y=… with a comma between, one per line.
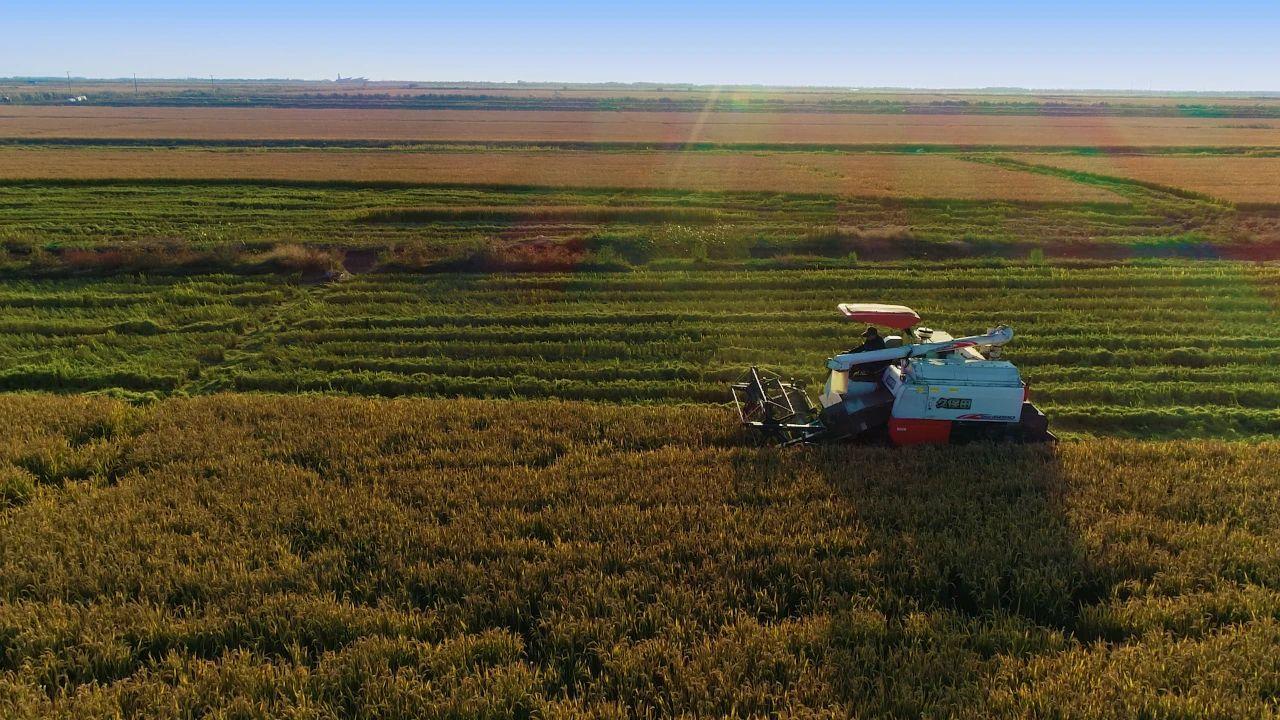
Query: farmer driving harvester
x=871, y=341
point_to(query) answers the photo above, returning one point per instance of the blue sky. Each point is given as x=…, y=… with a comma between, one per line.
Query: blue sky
x=1174, y=45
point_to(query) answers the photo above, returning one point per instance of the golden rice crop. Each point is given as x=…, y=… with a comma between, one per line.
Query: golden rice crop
x=256, y=556
x=844, y=174
x=1237, y=179
x=605, y=126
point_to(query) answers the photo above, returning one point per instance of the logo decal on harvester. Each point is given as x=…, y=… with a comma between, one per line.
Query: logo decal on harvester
x=984, y=416
x=950, y=403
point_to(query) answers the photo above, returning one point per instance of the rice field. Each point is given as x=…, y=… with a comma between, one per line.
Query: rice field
x=1245, y=180
x=842, y=175
x=412, y=430
x=1165, y=349
x=261, y=557
x=253, y=123
x=400, y=221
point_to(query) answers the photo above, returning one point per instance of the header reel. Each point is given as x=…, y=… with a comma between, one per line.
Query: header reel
x=780, y=410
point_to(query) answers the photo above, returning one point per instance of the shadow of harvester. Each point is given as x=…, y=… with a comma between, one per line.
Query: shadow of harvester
x=979, y=529
x=973, y=557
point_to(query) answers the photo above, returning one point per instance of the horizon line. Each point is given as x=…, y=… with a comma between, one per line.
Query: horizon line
x=651, y=84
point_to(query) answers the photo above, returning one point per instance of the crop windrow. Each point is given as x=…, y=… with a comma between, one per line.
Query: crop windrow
x=1108, y=348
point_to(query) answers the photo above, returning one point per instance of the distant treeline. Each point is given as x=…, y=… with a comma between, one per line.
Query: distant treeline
x=436, y=101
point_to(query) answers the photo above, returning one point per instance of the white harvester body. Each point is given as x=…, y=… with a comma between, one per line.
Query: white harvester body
x=937, y=389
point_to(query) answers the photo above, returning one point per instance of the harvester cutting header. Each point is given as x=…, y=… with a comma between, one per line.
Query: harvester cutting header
x=932, y=389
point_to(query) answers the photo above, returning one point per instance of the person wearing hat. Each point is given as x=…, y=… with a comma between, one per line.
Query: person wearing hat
x=871, y=341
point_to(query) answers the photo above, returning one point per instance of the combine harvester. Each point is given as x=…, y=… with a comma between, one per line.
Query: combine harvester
x=938, y=389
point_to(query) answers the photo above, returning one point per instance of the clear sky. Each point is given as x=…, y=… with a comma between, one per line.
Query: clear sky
x=1121, y=44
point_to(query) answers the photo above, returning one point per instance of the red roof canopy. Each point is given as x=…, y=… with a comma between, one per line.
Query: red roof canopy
x=900, y=317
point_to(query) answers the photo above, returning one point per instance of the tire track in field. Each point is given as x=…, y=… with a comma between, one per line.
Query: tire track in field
x=1190, y=213
x=1137, y=191
x=248, y=344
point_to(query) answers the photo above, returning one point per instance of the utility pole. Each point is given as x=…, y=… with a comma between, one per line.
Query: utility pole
x=135, y=84
x=69, y=84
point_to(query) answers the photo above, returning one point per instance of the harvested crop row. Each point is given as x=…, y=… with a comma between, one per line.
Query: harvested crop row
x=418, y=224
x=1110, y=337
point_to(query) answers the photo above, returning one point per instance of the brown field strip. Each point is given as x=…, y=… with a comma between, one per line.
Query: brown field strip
x=33, y=122
x=819, y=173
x=1237, y=179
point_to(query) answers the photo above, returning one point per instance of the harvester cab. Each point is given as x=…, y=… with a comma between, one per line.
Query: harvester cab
x=924, y=386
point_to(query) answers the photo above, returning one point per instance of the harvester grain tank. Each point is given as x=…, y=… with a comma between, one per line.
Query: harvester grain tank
x=924, y=386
